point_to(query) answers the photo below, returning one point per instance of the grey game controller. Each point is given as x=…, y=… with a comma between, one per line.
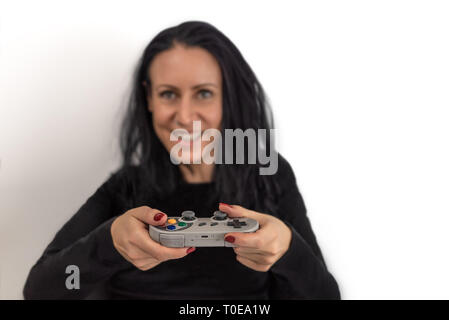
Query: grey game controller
x=190, y=231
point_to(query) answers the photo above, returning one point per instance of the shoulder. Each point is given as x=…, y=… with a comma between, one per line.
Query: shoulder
x=285, y=175
x=290, y=202
x=287, y=184
x=122, y=176
x=278, y=187
x=123, y=183
x=125, y=173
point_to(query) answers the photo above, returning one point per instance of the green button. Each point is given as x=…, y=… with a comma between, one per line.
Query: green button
x=181, y=224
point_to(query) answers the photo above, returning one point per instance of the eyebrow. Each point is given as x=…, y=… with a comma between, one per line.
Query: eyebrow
x=194, y=87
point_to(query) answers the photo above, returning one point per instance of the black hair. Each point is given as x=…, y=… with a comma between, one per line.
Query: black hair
x=244, y=106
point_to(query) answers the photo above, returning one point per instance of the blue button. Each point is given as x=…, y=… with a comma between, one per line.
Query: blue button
x=171, y=227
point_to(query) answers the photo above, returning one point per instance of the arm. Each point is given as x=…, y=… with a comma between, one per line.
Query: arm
x=85, y=241
x=301, y=272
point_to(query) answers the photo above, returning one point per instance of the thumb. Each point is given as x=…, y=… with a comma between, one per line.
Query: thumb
x=235, y=211
x=149, y=215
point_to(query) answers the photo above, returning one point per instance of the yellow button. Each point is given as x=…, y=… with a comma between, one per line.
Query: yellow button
x=171, y=221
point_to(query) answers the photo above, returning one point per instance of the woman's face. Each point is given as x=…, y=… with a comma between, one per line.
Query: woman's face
x=185, y=87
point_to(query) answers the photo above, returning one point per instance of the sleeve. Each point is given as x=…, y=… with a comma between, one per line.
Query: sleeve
x=301, y=272
x=85, y=241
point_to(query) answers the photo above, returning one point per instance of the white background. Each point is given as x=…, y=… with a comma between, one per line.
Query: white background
x=360, y=93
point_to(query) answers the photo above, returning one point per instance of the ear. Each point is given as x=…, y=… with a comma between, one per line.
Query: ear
x=148, y=96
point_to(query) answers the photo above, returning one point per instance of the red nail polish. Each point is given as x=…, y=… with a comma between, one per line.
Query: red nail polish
x=230, y=239
x=225, y=204
x=158, y=216
x=191, y=249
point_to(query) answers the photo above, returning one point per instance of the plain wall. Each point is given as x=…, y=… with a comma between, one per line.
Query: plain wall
x=360, y=96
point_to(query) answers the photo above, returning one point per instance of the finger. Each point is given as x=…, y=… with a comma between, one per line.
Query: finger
x=143, y=241
x=258, y=258
x=144, y=266
x=174, y=253
x=252, y=265
x=236, y=211
x=245, y=250
x=129, y=257
x=252, y=259
x=149, y=215
x=135, y=253
x=249, y=240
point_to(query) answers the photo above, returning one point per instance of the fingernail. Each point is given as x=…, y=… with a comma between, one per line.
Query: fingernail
x=191, y=249
x=225, y=204
x=158, y=216
x=230, y=239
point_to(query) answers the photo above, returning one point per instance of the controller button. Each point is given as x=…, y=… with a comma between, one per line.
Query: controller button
x=171, y=221
x=236, y=223
x=202, y=224
x=214, y=224
x=188, y=215
x=182, y=224
x=218, y=215
x=171, y=227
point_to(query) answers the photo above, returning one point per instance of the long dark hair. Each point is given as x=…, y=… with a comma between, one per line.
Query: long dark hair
x=244, y=106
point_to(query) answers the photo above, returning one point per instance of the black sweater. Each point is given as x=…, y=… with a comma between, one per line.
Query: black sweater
x=207, y=273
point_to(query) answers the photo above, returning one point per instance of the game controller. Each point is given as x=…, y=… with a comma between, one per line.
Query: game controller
x=190, y=231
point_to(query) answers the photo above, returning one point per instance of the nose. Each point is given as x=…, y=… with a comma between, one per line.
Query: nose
x=185, y=113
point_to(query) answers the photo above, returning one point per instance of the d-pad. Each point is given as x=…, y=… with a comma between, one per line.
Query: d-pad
x=236, y=223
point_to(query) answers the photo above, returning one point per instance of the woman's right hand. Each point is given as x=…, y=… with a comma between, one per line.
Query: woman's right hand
x=132, y=240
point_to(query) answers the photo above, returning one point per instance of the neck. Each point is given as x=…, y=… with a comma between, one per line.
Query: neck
x=197, y=173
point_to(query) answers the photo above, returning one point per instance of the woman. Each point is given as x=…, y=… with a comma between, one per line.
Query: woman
x=190, y=72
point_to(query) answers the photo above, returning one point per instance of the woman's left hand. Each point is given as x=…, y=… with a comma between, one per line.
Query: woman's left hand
x=261, y=249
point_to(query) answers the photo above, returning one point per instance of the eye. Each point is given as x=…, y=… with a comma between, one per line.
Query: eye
x=204, y=94
x=167, y=94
